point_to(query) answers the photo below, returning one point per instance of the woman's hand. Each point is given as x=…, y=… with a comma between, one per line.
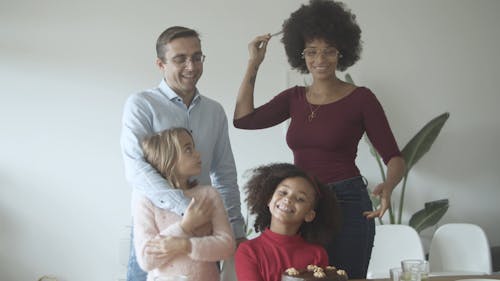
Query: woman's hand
x=384, y=192
x=395, y=171
x=244, y=101
x=257, y=49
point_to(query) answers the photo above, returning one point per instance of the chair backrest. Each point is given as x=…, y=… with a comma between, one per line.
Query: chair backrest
x=460, y=247
x=393, y=243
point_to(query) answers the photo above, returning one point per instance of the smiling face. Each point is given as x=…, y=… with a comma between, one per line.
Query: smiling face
x=292, y=203
x=188, y=159
x=182, y=77
x=321, y=59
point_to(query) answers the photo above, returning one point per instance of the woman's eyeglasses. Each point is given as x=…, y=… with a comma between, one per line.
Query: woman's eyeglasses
x=312, y=53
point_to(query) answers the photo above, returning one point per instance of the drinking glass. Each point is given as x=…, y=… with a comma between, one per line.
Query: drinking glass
x=424, y=270
x=412, y=267
x=396, y=274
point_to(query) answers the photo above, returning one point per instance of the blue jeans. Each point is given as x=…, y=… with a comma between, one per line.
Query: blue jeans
x=134, y=272
x=352, y=246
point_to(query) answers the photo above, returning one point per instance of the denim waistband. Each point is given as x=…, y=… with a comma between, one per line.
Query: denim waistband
x=349, y=181
x=350, y=190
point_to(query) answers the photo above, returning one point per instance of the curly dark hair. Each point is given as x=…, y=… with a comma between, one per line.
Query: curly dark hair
x=261, y=186
x=322, y=19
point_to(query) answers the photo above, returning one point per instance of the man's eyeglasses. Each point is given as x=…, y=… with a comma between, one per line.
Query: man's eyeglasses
x=182, y=60
x=312, y=53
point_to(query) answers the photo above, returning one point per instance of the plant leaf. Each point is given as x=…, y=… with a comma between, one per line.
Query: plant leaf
x=423, y=140
x=375, y=201
x=348, y=78
x=416, y=148
x=430, y=215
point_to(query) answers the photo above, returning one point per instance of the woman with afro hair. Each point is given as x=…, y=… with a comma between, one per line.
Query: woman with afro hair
x=327, y=121
x=295, y=214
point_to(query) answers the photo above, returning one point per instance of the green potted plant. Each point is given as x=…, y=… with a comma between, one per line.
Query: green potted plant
x=412, y=152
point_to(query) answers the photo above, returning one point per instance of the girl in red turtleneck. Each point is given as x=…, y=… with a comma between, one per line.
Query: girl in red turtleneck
x=294, y=213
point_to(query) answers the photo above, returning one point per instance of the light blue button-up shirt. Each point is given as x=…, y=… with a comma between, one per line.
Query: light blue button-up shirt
x=161, y=108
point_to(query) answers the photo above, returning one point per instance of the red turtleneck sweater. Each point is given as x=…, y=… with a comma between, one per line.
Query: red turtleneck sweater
x=266, y=257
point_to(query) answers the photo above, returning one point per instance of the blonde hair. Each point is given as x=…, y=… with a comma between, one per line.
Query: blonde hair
x=162, y=151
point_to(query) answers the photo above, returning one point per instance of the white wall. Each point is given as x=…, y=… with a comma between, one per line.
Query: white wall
x=67, y=67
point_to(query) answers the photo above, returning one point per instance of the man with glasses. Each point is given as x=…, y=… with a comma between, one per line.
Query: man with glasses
x=176, y=102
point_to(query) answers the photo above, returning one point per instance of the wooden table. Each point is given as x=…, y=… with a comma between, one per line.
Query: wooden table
x=447, y=278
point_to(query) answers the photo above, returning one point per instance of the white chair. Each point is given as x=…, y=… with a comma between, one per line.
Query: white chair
x=458, y=249
x=393, y=243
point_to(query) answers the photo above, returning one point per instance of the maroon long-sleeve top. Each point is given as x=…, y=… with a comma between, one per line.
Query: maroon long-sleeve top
x=326, y=146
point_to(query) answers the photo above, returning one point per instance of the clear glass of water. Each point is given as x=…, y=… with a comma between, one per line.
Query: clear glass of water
x=411, y=268
x=396, y=274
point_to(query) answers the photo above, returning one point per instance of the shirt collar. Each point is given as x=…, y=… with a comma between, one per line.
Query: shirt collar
x=282, y=239
x=171, y=95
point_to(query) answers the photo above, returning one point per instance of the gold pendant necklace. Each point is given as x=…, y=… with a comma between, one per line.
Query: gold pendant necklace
x=313, y=108
x=325, y=98
x=312, y=115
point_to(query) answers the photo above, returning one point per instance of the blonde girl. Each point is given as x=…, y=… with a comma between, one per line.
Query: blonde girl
x=166, y=243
